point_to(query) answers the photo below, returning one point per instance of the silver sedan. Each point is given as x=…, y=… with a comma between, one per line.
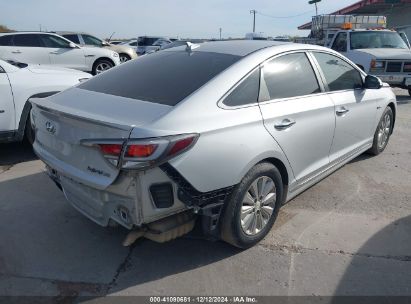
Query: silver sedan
x=221, y=134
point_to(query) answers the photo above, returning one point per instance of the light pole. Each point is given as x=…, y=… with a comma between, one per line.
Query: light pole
x=316, y=7
x=220, y=32
x=253, y=12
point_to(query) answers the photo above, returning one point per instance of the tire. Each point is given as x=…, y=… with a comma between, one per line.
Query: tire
x=383, y=132
x=409, y=92
x=28, y=131
x=239, y=225
x=101, y=65
x=124, y=58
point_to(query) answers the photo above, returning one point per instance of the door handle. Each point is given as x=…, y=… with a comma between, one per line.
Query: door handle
x=285, y=124
x=16, y=52
x=341, y=111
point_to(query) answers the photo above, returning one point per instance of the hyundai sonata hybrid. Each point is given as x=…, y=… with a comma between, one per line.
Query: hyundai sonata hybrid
x=219, y=134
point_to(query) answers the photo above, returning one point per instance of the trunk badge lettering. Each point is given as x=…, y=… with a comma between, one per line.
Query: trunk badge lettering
x=50, y=127
x=98, y=171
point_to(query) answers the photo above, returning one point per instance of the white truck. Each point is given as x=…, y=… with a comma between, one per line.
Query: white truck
x=366, y=41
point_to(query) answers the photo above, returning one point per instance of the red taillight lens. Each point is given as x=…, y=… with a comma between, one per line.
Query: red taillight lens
x=140, y=150
x=111, y=149
x=180, y=145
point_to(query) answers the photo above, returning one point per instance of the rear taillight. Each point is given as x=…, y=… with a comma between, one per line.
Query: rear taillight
x=111, y=149
x=143, y=153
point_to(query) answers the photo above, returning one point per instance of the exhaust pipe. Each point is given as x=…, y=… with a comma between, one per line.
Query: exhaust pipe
x=164, y=230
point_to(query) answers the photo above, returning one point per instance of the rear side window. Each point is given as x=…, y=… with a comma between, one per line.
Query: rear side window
x=73, y=38
x=6, y=40
x=165, y=77
x=290, y=76
x=246, y=92
x=27, y=40
x=90, y=40
x=339, y=74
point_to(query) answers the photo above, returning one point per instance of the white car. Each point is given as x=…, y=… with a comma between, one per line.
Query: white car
x=52, y=49
x=18, y=83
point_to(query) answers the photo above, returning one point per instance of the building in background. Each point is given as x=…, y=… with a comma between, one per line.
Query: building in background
x=398, y=13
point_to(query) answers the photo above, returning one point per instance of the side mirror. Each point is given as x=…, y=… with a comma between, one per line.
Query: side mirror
x=372, y=82
x=72, y=45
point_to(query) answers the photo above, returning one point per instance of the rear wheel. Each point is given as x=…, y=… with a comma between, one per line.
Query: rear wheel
x=383, y=132
x=102, y=65
x=253, y=206
x=124, y=58
x=409, y=92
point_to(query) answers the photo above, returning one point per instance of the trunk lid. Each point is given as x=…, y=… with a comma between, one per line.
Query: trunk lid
x=63, y=120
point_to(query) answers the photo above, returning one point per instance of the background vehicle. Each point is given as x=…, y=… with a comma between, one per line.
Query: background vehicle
x=52, y=49
x=146, y=44
x=116, y=42
x=365, y=41
x=126, y=53
x=131, y=43
x=255, y=36
x=179, y=43
x=161, y=144
x=18, y=83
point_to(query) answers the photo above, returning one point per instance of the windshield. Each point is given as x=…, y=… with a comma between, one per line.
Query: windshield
x=376, y=40
x=165, y=77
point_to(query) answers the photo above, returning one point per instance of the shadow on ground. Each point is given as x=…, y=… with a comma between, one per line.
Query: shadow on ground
x=382, y=266
x=14, y=153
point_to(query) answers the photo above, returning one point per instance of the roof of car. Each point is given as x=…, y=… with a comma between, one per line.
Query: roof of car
x=236, y=47
x=70, y=33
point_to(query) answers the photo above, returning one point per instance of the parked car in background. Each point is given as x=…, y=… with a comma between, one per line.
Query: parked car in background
x=131, y=43
x=18, y=83
x=126, y=53
x=155, y=144
x=51, y=49
x=255, y=36
x=147, y=44
x=177, y=43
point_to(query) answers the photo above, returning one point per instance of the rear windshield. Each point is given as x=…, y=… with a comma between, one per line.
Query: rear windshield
x=165, y=77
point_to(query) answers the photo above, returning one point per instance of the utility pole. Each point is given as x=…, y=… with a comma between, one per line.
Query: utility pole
x=316, y=7
x=253, y=12
x=220, y=32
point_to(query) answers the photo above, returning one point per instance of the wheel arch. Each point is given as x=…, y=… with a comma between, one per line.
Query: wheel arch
x=102, y=58
x=394, y=113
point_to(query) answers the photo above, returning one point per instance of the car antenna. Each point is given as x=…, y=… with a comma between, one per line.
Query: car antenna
x=109, y=39
x=191, y=46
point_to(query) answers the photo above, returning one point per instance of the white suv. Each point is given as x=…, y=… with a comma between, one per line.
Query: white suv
x=52, y=49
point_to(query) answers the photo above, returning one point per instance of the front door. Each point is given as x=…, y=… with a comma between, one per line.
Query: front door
x=7, y=115
x=61, y=54
x=298, y=115
x=355, y=107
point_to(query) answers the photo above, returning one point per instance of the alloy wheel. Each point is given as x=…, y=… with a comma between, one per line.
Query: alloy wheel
x=384, y=131
x=258, y=205
x=102, y=66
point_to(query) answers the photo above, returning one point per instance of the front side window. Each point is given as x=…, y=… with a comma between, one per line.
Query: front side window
x=27, y=40
x=338, y=74
x=91, y=40
x=164, y=77
x=51, y=41
x=72, y=37
x=377, y=40
x=290, y=76
x=246, y=92
x=340, y=43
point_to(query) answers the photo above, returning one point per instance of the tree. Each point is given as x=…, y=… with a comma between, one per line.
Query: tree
x=4, y=29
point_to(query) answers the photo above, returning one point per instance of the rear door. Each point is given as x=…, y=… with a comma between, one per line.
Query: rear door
x=61, y=54
x=27, y=48
x=355, y=107
x=299, y=116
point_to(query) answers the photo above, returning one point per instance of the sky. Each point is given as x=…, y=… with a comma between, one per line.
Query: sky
x=173, y=18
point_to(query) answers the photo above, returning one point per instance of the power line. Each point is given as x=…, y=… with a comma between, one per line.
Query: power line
x=285, y=17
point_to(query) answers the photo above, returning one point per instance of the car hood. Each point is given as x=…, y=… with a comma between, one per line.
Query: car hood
x=388, y=53
x=119, y=48
x=49, y=69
